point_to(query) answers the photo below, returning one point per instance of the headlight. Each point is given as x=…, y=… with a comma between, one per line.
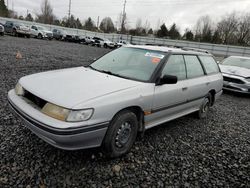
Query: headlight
x=80, y=115
x=63, y=114
x=55, y=111
x=19, y=89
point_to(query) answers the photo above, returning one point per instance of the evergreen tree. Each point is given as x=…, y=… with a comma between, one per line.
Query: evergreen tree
x=29, y=18
x=174, y=32
x=163, y=31
x=3, y=9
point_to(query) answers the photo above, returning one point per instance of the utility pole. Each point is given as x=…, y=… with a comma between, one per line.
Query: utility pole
x=98, y=22
x=123, y=16
x=8, y=4
x=69, y=9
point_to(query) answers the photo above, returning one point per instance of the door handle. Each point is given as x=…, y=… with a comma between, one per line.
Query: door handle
x=184, y=88
x=207, y=83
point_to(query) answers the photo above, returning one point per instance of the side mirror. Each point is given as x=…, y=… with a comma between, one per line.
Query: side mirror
x=167, y=79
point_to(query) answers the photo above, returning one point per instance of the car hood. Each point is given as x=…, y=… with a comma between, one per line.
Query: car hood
x=233, y=70
x=70, y=87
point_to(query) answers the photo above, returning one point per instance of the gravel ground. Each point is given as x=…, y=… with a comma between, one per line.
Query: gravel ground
x=183, y=153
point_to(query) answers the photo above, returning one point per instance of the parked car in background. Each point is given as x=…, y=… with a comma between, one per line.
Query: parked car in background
x=59, y=34
x=141, y=87
x=1, y=30
x=106, y=43
x=17, y=29
x=41, y=32
x=89, y=40
x=121, y=43
x=236, y=74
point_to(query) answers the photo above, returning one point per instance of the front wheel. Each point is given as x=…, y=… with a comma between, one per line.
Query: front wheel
x=205, y=106
x=121, y=134
x=40, y=36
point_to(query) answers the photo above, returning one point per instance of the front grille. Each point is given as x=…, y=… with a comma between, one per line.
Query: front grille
x=36, y=100
x=233, y=80
x=49, y=34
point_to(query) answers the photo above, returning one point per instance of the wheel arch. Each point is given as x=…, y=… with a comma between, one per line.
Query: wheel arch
x=137, y=110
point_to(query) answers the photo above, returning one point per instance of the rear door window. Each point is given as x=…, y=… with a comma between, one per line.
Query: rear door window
x=209, y=64
x=194, y=68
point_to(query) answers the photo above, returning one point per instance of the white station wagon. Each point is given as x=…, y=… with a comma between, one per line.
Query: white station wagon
x=120, y=95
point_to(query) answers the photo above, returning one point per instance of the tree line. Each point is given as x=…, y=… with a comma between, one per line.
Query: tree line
x=233, y=29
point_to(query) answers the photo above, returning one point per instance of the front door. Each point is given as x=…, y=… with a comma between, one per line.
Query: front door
x=169, y=98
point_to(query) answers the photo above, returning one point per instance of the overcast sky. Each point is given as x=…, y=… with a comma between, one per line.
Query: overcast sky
x=183, y=12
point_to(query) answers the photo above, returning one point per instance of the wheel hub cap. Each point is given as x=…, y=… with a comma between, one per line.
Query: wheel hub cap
x=123, y=134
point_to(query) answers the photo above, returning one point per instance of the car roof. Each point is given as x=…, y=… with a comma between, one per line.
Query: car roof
x=168, y=49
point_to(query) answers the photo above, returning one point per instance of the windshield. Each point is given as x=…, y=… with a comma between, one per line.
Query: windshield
x=132, y=63
x=237, y=61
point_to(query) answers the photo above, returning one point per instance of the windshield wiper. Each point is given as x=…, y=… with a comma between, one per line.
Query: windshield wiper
x=107, y=72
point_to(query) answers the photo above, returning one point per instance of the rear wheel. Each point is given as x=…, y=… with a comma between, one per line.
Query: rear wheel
x=205, y=106
x=14, y=33
x=121, y=134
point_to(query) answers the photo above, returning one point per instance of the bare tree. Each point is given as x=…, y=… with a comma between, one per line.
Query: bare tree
x=244, y=29
x=203, y=29
x=46, y=15
x=228, y=28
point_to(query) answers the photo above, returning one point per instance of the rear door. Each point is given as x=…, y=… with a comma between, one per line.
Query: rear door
x=198, y=83
x=213, y=73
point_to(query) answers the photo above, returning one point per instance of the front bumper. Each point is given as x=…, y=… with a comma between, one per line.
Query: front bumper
x=87, y=136
x=240, y=88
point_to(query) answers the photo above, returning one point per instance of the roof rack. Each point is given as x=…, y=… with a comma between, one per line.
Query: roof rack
x=165, y=45
x=196, y=49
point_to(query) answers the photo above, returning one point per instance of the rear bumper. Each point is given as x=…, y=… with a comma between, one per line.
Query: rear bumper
x=69, y=139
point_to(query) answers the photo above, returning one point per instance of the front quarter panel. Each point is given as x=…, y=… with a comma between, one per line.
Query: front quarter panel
x=107, y=106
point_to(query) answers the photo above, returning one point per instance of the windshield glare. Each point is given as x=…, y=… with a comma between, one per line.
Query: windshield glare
x=133, y=63
x=238, y=62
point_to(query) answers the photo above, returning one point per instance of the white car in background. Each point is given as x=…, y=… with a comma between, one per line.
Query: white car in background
x=41, y=32
x=89, y=40
x=106, y=43
x=121, y=43
x=236, y=74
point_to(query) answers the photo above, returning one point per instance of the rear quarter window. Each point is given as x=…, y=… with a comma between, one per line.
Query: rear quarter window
x=209, y=64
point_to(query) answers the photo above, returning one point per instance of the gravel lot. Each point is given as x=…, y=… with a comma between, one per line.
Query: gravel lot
x=186, y=152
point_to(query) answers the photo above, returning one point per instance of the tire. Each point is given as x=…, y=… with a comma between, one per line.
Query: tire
x=105, y=46
x=28, y=36
x=39, y=36
x=205, y=106
x=121, y=134
x=15, y=34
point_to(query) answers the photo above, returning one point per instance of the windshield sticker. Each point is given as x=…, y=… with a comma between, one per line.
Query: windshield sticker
x=150, y=54
x=155, y=60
